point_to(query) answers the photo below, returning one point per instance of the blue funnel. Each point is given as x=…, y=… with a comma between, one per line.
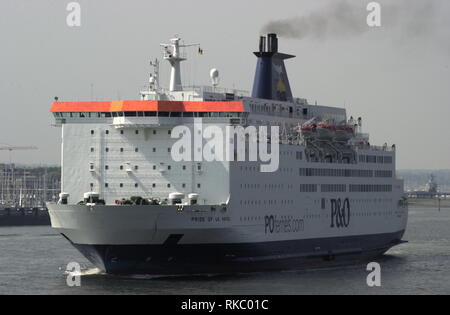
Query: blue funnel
x=271, y=80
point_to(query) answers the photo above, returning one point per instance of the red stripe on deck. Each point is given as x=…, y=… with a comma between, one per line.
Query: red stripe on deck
x=137, y=106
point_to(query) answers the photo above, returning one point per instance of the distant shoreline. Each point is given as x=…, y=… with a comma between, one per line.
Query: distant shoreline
x=428, y=203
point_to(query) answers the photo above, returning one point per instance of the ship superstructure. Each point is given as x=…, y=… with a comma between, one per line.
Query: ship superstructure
x=130, y=207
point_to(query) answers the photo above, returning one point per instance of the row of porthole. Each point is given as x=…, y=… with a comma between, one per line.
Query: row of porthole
x=257, y=169
x=318, y=216
x=266, y=186
x=136, y=132
x=265, y=202
x=136, y=185
x=169, y=150
x=136, y=167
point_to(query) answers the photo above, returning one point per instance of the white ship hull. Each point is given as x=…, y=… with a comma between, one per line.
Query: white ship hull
x=165, y=240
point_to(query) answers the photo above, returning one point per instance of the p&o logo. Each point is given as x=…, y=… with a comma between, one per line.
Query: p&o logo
x=340, y=213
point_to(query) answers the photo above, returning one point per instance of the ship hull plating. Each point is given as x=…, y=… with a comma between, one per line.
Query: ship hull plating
x=163, y=240
x=169, y=259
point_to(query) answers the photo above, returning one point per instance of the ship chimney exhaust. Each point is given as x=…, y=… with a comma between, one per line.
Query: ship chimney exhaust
x=271, y=80
x=262, y=44
x=273, y=43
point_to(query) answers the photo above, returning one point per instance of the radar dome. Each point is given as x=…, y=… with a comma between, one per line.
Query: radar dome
x=214, y=74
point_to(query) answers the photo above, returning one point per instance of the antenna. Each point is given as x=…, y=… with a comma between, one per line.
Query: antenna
x=174, y=57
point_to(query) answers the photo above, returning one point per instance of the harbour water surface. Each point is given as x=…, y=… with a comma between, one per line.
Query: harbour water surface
x=33, y=261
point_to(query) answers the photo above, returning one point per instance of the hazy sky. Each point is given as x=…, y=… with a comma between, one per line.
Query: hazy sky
x=396, y=77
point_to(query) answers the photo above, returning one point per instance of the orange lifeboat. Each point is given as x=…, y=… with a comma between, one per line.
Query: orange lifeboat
x=343, y=133
x=325, y=131
x=309, y=131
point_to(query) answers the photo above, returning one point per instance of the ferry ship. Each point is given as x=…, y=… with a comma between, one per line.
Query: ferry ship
x=130, y=208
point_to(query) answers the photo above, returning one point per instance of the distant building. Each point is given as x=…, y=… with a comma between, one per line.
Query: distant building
x=431, y=190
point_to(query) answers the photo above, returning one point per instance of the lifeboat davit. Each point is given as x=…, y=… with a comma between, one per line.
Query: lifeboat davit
x=309, y=131
x=343, y=133
x=325, y=131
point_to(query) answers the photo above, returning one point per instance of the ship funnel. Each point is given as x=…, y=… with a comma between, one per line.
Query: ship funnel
x=271, y=80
